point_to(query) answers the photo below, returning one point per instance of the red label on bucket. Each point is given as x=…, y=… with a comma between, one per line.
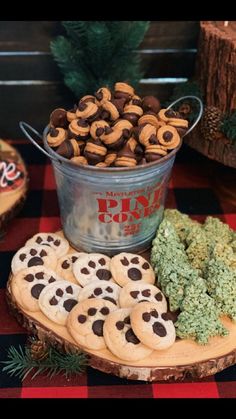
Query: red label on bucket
x=129, y=208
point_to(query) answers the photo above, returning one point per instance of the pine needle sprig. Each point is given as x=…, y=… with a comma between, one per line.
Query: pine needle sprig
x=229, y=126
x=20, y=363
x=188, y=88
x=99, y=53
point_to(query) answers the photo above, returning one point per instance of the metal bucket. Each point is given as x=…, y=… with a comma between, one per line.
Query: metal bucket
x=110, y=210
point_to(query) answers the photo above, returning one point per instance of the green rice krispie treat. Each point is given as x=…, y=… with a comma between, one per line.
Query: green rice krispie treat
x=233, y=245
x=198, y=250
x=166, y=245
x=199, y=317
x=181, y=222
x=196, y=299
x=224, y=252
x=173, y=278
x=196, y=230
x=217, y=231
x=198, y=327
x=221, y=285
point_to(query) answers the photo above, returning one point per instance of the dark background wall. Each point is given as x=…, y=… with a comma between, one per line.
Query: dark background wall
x=31, y=84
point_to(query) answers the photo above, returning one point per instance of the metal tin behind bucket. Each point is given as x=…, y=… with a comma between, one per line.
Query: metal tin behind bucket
x=111, y=210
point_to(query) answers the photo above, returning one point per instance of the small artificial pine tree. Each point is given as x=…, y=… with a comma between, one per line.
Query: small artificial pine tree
x=99, y=53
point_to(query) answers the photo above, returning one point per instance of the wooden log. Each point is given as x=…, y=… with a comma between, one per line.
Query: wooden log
x=216, y=63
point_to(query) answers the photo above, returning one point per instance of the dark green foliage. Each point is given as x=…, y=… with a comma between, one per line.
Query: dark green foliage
x=21, y=363
x=189, y=88
x=229, y=126
x=99, y=53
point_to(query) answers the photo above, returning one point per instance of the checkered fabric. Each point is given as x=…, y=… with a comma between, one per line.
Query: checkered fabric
x=190, y=191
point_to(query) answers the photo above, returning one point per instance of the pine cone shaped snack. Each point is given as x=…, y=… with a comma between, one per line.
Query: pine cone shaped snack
x=117, y=120
x=95, y=151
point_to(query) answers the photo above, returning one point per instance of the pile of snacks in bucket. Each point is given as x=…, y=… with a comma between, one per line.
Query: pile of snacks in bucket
x=115, y=128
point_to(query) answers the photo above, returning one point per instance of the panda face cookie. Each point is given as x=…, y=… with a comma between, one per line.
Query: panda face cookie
x=128, y=267
x=65, y=264
x=153, y=328
x=101, y=289
x=85, y=322
x=59, y=244
x=133, y=293
x=33, y=255
x=28, y=284
x=57, y=300
x=90, y=267
x=121, y=339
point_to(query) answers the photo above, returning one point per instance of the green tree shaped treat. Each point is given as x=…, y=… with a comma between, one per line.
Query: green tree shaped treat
x=217, y=231
x=199, y=318
x=221, y=285
x=196, y=269
x=181, y=222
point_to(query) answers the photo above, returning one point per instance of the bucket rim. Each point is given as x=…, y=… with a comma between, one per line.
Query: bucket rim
x=88, y=168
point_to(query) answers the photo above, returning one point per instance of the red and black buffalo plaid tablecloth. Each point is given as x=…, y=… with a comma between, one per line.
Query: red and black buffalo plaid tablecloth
x=190, y=191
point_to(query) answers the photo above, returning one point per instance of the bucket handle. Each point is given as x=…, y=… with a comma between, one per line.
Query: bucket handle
x=199, y=114
x=24, y=127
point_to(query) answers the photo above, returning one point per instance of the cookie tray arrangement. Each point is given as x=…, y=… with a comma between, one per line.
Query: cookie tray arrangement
x=184, y=358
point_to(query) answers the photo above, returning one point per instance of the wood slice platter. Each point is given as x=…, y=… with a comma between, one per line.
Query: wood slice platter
x=11, y=201
x=185, y=359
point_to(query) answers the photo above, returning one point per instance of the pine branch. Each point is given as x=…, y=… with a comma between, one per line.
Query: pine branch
x=64, y=54
x=228, y=126
x=20, y=363
x=98, y=53
x=189, y=88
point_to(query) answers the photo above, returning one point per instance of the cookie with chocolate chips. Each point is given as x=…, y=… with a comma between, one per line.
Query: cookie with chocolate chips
x=65, y=264
x=128, y=267
x=90, y=267
x=101, y=289
x=133, y=293
x=153, y=328
x=85, y=322
x=57, y=300
x=27, y=285
x=121, y=339
x=59, y=244
x=33, y=255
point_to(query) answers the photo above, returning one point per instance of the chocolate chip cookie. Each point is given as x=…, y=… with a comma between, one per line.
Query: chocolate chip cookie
x=34, y=255
x=101, y=289
x=28, y=284
x=65, y=264
x=120, y=337
x=128, y=267
x=133, y=293
x=57, y=300
x=85, y=322
x=153, y=328
x=59, y=244
x=90, y=267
